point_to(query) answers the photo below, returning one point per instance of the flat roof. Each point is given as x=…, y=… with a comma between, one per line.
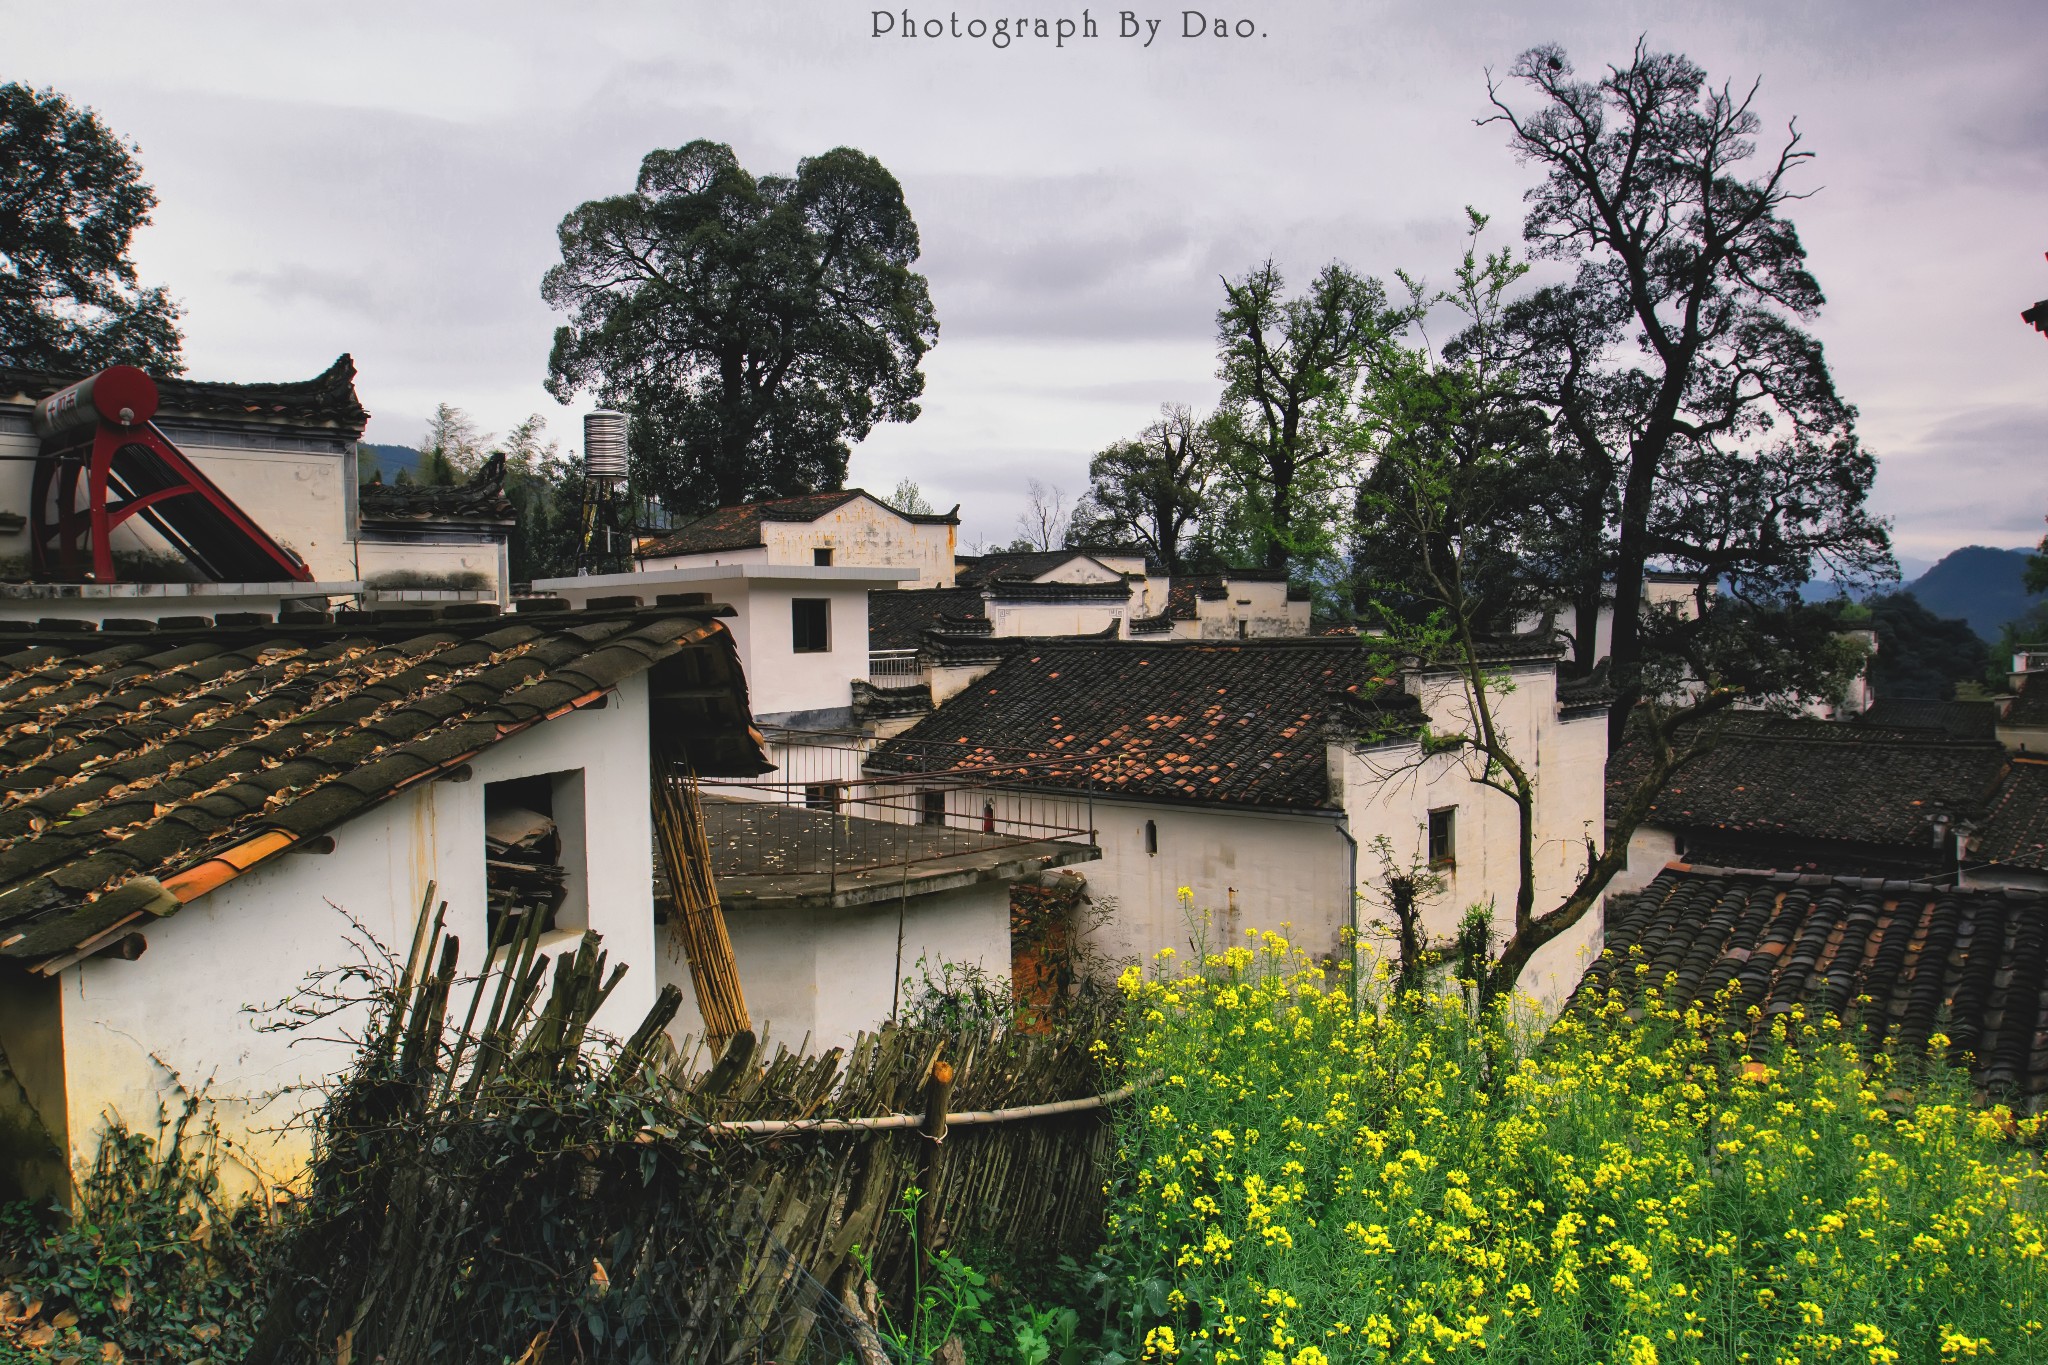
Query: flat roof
x=765, y=854
x=178, y=590
x=711, y=573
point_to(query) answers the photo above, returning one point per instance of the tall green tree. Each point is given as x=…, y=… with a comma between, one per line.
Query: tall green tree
x=1148, y=493
x=1740, y=462
x=71, y=199
x=752, y=327
x=1448, y=440
x=1288, y=366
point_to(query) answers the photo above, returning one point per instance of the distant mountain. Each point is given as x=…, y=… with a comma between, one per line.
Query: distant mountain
x=1979, y=584
x=388, y=459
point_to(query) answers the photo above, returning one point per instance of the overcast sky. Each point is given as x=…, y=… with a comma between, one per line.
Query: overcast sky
x=386, y=180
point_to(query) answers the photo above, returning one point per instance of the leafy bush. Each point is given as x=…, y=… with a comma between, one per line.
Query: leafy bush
x=1314, y=1181
x=154, y=1265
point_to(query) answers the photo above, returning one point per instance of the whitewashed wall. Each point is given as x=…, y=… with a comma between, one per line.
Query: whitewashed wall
x=827, y=974
x=299, y=497
x=1085, y=617
x=136, y=1032
x=865, y=534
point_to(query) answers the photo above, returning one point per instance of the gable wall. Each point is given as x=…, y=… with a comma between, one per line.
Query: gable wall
x=139, y=1034
x=300, y=490
x=865, y=534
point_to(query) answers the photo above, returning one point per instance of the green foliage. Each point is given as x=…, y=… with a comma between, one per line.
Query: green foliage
x=751, y=327
x=71, y=198
x=1701, y=425
x=1287, y=366
x=948, y=1300
x=961, y=995
x=155, y=1265
x=1148, y=493
x=1339, y=1181
x=909, y=499
x=1918, y=653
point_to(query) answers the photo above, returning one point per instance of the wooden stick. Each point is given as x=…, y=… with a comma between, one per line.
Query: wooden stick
x=877, y=1125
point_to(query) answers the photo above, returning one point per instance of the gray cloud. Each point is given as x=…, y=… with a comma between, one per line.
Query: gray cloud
x=388, y=183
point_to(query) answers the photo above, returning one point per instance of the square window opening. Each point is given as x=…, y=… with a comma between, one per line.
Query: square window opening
x=823, y=795
x=534, y=861
x=1443, y=837
x=931, y=808
x=810, y=625
x=822, y=557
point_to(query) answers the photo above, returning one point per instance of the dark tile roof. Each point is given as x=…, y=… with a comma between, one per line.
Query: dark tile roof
x=1241, y=722
x=1970, y=963
x=2014, y=832
x=1024, y=590
x=140, y=765
x=480, y=500
x=326, y=400
x=2029, y=708
x=1845, y=782
x=1019, y=565
x=1963, y=719
x=899, y=617
x=1182, y=593
x=739, y=528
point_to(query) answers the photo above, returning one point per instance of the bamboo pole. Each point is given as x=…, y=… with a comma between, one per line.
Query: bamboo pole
x=686, y=855
x=774, y=1127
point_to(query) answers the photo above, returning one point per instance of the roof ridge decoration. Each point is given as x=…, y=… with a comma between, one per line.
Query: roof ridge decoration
x=327, y=399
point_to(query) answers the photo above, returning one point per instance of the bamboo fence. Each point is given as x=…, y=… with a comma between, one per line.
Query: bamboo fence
x=511, y=1187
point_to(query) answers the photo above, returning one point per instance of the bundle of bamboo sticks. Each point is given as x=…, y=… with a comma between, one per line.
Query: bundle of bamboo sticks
x=700, y=922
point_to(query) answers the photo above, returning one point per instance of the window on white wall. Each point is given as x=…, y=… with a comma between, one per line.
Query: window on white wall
x=1443, y=837
x=1152, y=837
x=810, y=625
x=822, y=557
x=931, y=808
x=534, y=862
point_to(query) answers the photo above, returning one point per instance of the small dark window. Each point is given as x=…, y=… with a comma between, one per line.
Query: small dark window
x=931, y=808
x=822, y=795
x=1243, y=630
x=1443, y=837
x=810, y=620
x=1152, y=837
x=822, y=557
x=988, y=817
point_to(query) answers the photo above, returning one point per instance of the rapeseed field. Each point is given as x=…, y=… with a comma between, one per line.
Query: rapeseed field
x=1321, y=1174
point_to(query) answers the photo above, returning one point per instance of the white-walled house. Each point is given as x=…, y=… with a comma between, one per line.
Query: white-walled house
x=850, y=528
x=1258, y=775
x=801, y=630
x=191, y=816
x=830, y=910
x=285, y=455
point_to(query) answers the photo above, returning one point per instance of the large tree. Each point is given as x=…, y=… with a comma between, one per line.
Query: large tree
x=1148, y=492
x=1288, y=366
x=1730, y=456
x=71, y=198
x=753, y=327
x=1449, y=443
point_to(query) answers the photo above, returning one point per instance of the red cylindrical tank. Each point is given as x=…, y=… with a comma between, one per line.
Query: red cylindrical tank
x=120, y=394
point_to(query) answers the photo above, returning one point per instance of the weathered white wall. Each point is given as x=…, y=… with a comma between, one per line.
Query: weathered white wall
x=828, y=974
x=137, y=1033
x=1260, y=607
x=1086, y=617
x=1247, y=870
x=1389, y=791
x=433, y=564
x=1649, y=849
x=152, y=601
x=299, y=497
x=865, y=534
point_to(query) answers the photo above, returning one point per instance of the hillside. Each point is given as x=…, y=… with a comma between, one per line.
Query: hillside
x=1979, y=584
x=389, y=459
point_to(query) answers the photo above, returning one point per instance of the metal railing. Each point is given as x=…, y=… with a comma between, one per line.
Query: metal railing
x=894, y=667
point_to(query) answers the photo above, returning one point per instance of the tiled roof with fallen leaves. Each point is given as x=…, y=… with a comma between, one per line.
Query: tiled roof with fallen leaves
x=1896, y=960
x=143, y=764
x=1238, y=722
